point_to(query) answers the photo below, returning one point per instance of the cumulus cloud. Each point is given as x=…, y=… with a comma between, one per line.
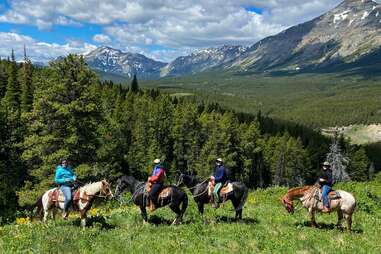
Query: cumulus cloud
x=101, y=38
x=39, y=51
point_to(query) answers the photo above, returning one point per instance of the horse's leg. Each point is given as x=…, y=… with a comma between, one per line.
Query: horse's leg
x=339, y=219
x=143, y=212
x=83, y=214
x=54, y=211
x=175, y=207
x=200, y=206
x=311, y=213
x=348, y=218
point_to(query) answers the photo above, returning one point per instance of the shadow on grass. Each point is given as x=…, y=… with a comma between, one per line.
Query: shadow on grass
x=328, y=226
x=245, y=220
x=93, y=220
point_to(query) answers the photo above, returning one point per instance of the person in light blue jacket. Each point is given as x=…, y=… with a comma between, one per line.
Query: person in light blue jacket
x=65, y=179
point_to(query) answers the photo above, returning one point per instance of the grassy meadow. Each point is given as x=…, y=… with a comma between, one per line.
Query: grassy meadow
x=266, y=228
x=316, y=100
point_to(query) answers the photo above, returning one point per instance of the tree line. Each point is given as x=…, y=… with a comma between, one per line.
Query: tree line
x=107, y=130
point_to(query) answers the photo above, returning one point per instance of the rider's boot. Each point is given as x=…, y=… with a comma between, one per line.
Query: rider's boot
x=326, y=210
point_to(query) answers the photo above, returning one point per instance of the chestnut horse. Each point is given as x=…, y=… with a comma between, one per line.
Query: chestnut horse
x=82, y=199
x=310, y=197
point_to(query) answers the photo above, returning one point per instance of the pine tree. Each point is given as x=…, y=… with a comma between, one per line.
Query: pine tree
x=26, y=84
x=338, y=162
x=12, y=95
x=359, y=165
x=65, y=117
x=134, y=84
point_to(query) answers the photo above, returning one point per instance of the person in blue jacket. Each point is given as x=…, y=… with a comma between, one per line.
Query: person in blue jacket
x=65, y=179
x=219, y=178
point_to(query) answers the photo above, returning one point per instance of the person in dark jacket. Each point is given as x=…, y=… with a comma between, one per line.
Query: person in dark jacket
x=219, y=178
x=65, y=179
x=326, y=183
x=157, y=180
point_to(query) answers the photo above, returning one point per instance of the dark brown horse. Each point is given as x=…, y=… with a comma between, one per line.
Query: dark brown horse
x=175, y=197
x=200, y=193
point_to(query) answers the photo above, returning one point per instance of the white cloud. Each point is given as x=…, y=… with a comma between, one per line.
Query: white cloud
x=37, y=50
x=101, y=38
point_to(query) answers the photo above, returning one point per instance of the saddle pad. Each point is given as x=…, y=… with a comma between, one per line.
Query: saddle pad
x=56, y=195
x=334, y=195
x=165, y=192
x=226, y=189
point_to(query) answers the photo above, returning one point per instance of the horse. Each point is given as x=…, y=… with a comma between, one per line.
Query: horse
x=344, y=203
x=82, y=200
x=199, y=190
x=176, y=198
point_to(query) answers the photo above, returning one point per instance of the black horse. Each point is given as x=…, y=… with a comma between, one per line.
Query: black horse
x=199, y=191
x=176, y=198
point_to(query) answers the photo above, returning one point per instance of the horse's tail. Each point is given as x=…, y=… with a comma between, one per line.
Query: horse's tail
x=243, y=198
x=40, y=208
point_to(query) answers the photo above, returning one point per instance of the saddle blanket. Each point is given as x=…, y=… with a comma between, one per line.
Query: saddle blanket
x=225, y=190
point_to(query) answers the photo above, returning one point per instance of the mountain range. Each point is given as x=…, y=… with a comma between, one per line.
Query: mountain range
x=348, y=36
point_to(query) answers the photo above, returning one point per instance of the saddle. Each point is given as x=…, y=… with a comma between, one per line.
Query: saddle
x=224, y=191
x=56, y=196
x=163, y=194
x=332, y=195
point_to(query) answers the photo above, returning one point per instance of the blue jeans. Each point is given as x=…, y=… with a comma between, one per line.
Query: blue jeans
x=325, y=190
x=66, y=190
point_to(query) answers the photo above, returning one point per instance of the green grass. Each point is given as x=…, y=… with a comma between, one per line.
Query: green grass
x=267, y=228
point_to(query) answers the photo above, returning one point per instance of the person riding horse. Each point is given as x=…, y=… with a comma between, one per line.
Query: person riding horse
x=157, y=180
x=65, y=179
x=326, y=183
x=219, y=178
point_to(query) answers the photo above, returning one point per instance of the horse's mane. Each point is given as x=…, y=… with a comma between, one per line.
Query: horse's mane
x=299, y=190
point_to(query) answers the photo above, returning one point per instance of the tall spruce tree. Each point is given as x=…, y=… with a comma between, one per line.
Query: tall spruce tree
x=12, y=95
x=338, y=161
x=26, y=84
x=134, y=84
x=64, y=120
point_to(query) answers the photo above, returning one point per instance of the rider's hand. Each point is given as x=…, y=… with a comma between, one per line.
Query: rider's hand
x=212, y=178
x=75, y=178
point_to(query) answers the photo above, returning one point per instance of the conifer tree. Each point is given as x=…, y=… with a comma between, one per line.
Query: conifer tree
x=26, y=84
x=65, y=117
x=338, y=162
x=12, y=95
x=134, y=84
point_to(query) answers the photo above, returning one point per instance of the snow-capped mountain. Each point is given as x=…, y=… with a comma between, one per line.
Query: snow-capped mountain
x=109, y=60
x=348, y=35
x=202, y=60
x=345, y=37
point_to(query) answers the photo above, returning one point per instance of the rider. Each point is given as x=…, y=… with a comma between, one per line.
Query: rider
x=219, y=179
x=65, y=178
x=157, y=180
x=326, y=182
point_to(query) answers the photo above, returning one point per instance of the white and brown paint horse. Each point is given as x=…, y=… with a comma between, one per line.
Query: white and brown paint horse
x=81, y=201
x=310, y=197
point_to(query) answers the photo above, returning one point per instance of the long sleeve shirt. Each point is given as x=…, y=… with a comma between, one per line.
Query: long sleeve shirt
x=64, y=175
x=327, y=176
x=158, y=175
x=220, y=174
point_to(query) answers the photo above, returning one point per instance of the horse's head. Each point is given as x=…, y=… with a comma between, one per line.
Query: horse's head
x=106, y=190
x=184, y=179
x=288, y=204
x=123, y=183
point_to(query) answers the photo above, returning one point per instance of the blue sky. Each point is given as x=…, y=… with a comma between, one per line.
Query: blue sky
x=161, y=29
